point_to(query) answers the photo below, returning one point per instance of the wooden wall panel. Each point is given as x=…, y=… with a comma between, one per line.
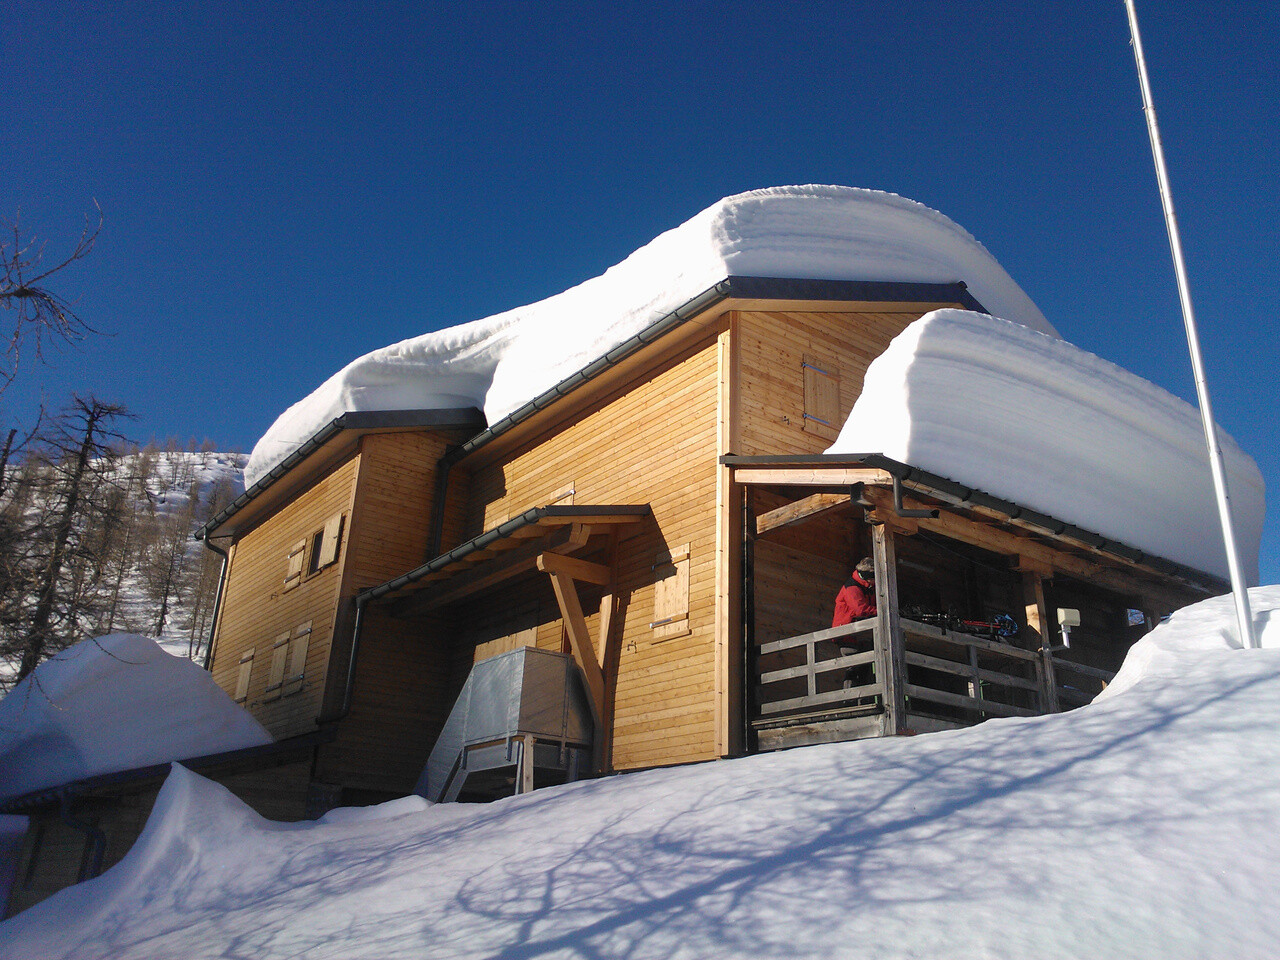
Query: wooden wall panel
x=655, y=444
x=399, y=701
x=772, y=350
x=257, y=609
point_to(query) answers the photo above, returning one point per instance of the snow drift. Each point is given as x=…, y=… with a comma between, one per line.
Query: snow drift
x=113, y=704
x=1144, y=825
x=806, y=232
x=1032, y=419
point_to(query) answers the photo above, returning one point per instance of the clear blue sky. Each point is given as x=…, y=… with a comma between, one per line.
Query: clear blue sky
x=286, y=186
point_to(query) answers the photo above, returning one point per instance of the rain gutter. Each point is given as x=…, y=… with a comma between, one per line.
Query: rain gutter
x=217, y=599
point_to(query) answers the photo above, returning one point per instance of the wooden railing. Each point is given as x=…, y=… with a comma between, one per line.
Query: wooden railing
x=957, y=675
x=1089, y=683
x=815, y=670
x=975, y=677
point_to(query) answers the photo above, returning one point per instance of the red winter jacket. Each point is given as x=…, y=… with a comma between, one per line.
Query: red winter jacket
x=855, y=601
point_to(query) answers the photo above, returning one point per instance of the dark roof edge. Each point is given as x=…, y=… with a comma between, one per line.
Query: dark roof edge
x=525, y=519
x=745, y=288
x=156, y=771
x=909, y=474
x=360, y=420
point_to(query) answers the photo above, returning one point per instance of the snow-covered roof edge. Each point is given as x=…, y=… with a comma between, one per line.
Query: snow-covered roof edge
x=753, y=288
x=803, y=232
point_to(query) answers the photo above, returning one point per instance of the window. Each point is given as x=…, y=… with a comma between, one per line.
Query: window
x=242, y=680
x=671, y=594
x=324, y=545
x=293, y=565
x=312, y=554
x=275, y=678
x=821, y=397
x=297, y=659
x=288, y=662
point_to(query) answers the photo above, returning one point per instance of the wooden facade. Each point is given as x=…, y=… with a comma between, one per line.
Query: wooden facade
x=672, y=524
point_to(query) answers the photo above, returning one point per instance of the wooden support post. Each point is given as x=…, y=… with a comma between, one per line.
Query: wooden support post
x=584, y=653
x=1041, y=634
x=750, y=670
x=890, y=654
x=526, y=765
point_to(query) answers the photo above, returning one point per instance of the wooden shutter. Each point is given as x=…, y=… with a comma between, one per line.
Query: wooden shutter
x=293, y=570
x=242, y=680
x=297, y=659
x=821, y=398
x=671, y=595
x=329, y=541
x=275, y=679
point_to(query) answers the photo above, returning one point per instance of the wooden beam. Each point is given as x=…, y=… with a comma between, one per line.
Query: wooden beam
x=467, y=581
x=1041, y=631
x=577, y=569
x=809, y=508
x=1110, y=573
x=728, y=691
x=584, y=653
x=891, y=660
x=810, y=476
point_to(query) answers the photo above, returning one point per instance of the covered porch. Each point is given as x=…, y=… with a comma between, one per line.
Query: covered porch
x=968, y=589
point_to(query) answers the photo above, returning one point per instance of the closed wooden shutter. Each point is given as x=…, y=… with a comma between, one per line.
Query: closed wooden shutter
x=821, y=397
x=297, y=659
x=293, y=569
x=671, y=595
x=279, y=655
x=330, y=539
x=242, y=679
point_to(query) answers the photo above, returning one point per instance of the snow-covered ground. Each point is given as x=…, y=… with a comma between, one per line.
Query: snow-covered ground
x=800, y=232
x=110, y=704
x=1144, y=825
x=1033, y=419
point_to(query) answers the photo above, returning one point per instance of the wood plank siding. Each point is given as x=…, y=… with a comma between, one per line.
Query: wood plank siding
x=258, y=611
x=397, y=706
x=774, y=348
x=656, y=443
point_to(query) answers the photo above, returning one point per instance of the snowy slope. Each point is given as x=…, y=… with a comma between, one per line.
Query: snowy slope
x=1145, y=825
x=805, y=232
x=1033, y=419
x=112, y=704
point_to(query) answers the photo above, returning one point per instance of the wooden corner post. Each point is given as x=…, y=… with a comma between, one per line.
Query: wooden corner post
x=1037, y=616
x=890, y=656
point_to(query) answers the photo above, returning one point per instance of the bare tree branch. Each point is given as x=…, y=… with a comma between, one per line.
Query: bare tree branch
x=37, y=313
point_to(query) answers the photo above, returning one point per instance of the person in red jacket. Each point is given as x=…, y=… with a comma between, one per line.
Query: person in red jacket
x=857, y=598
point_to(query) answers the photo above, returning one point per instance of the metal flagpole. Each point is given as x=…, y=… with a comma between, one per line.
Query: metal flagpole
x=1244, y=618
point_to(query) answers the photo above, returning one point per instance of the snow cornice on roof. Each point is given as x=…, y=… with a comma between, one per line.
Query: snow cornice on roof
x=730, y=288
x=455, y=420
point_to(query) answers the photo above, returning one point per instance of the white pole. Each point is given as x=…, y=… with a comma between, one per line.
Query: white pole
x=1244, y=619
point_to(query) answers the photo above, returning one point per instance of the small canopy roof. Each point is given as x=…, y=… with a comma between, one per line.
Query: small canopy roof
x=499, y=554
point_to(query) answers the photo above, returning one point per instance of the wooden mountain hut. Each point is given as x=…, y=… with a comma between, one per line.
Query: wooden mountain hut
x=665, y=522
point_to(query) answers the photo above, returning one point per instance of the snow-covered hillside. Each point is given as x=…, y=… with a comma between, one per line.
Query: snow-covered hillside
x=131, y=564
x=1144, y=825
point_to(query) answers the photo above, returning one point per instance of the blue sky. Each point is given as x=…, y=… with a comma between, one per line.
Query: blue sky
x=286, y=186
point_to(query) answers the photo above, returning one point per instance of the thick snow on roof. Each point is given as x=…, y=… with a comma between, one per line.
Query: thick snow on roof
x=499, y=363
x=1033, y=419
x=113, y=704
x=1144, y=825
